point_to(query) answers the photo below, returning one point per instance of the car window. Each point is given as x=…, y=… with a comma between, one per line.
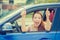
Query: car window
x=29, y=21
x=17, y=24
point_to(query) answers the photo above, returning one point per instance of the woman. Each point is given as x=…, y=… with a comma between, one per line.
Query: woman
x=38, y=24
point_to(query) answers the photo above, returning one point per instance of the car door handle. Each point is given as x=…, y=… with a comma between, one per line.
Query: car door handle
x=45, y=39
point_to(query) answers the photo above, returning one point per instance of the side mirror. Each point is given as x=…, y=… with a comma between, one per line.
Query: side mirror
x=7, y=27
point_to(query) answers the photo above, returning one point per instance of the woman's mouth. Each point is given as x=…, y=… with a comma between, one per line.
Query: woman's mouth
x=37, y=23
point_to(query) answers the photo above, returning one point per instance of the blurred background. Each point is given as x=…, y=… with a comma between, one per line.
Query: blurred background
x=8, y=6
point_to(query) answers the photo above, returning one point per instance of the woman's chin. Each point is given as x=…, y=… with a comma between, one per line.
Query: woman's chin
x=36, y=25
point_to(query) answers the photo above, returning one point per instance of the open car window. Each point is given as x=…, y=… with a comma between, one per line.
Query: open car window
x=17, y=25
x=29, y=21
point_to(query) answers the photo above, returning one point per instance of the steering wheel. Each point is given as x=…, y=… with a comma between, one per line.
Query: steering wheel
x=18, y=28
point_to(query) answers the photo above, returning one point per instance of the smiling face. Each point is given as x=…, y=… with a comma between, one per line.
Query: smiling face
x=37, y=19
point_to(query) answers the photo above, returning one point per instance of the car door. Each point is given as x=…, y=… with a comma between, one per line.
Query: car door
x=57, y=24
x=45, y=35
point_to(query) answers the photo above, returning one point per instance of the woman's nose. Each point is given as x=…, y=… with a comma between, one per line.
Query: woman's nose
x=37, y=20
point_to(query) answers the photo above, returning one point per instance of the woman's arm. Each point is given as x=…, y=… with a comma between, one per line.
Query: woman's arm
x=47, y=23
x=23, y=14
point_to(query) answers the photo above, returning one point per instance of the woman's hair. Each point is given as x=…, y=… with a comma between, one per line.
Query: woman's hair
x=51, y=9
x=41, y=26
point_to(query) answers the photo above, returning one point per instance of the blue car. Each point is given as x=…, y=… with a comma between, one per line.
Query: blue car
x=11, y=30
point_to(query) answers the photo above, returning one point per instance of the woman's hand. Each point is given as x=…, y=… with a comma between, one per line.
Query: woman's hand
x=47, y=22
x=47, y=13
x=23, y=13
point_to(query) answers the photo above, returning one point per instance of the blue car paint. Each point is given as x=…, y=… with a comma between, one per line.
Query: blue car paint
x=30, y=36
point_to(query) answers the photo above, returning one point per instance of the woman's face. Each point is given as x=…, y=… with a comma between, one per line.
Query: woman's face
x=37, y=19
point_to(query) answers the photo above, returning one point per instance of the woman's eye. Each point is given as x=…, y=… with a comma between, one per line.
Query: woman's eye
x=35, y=17
x=39, y=18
